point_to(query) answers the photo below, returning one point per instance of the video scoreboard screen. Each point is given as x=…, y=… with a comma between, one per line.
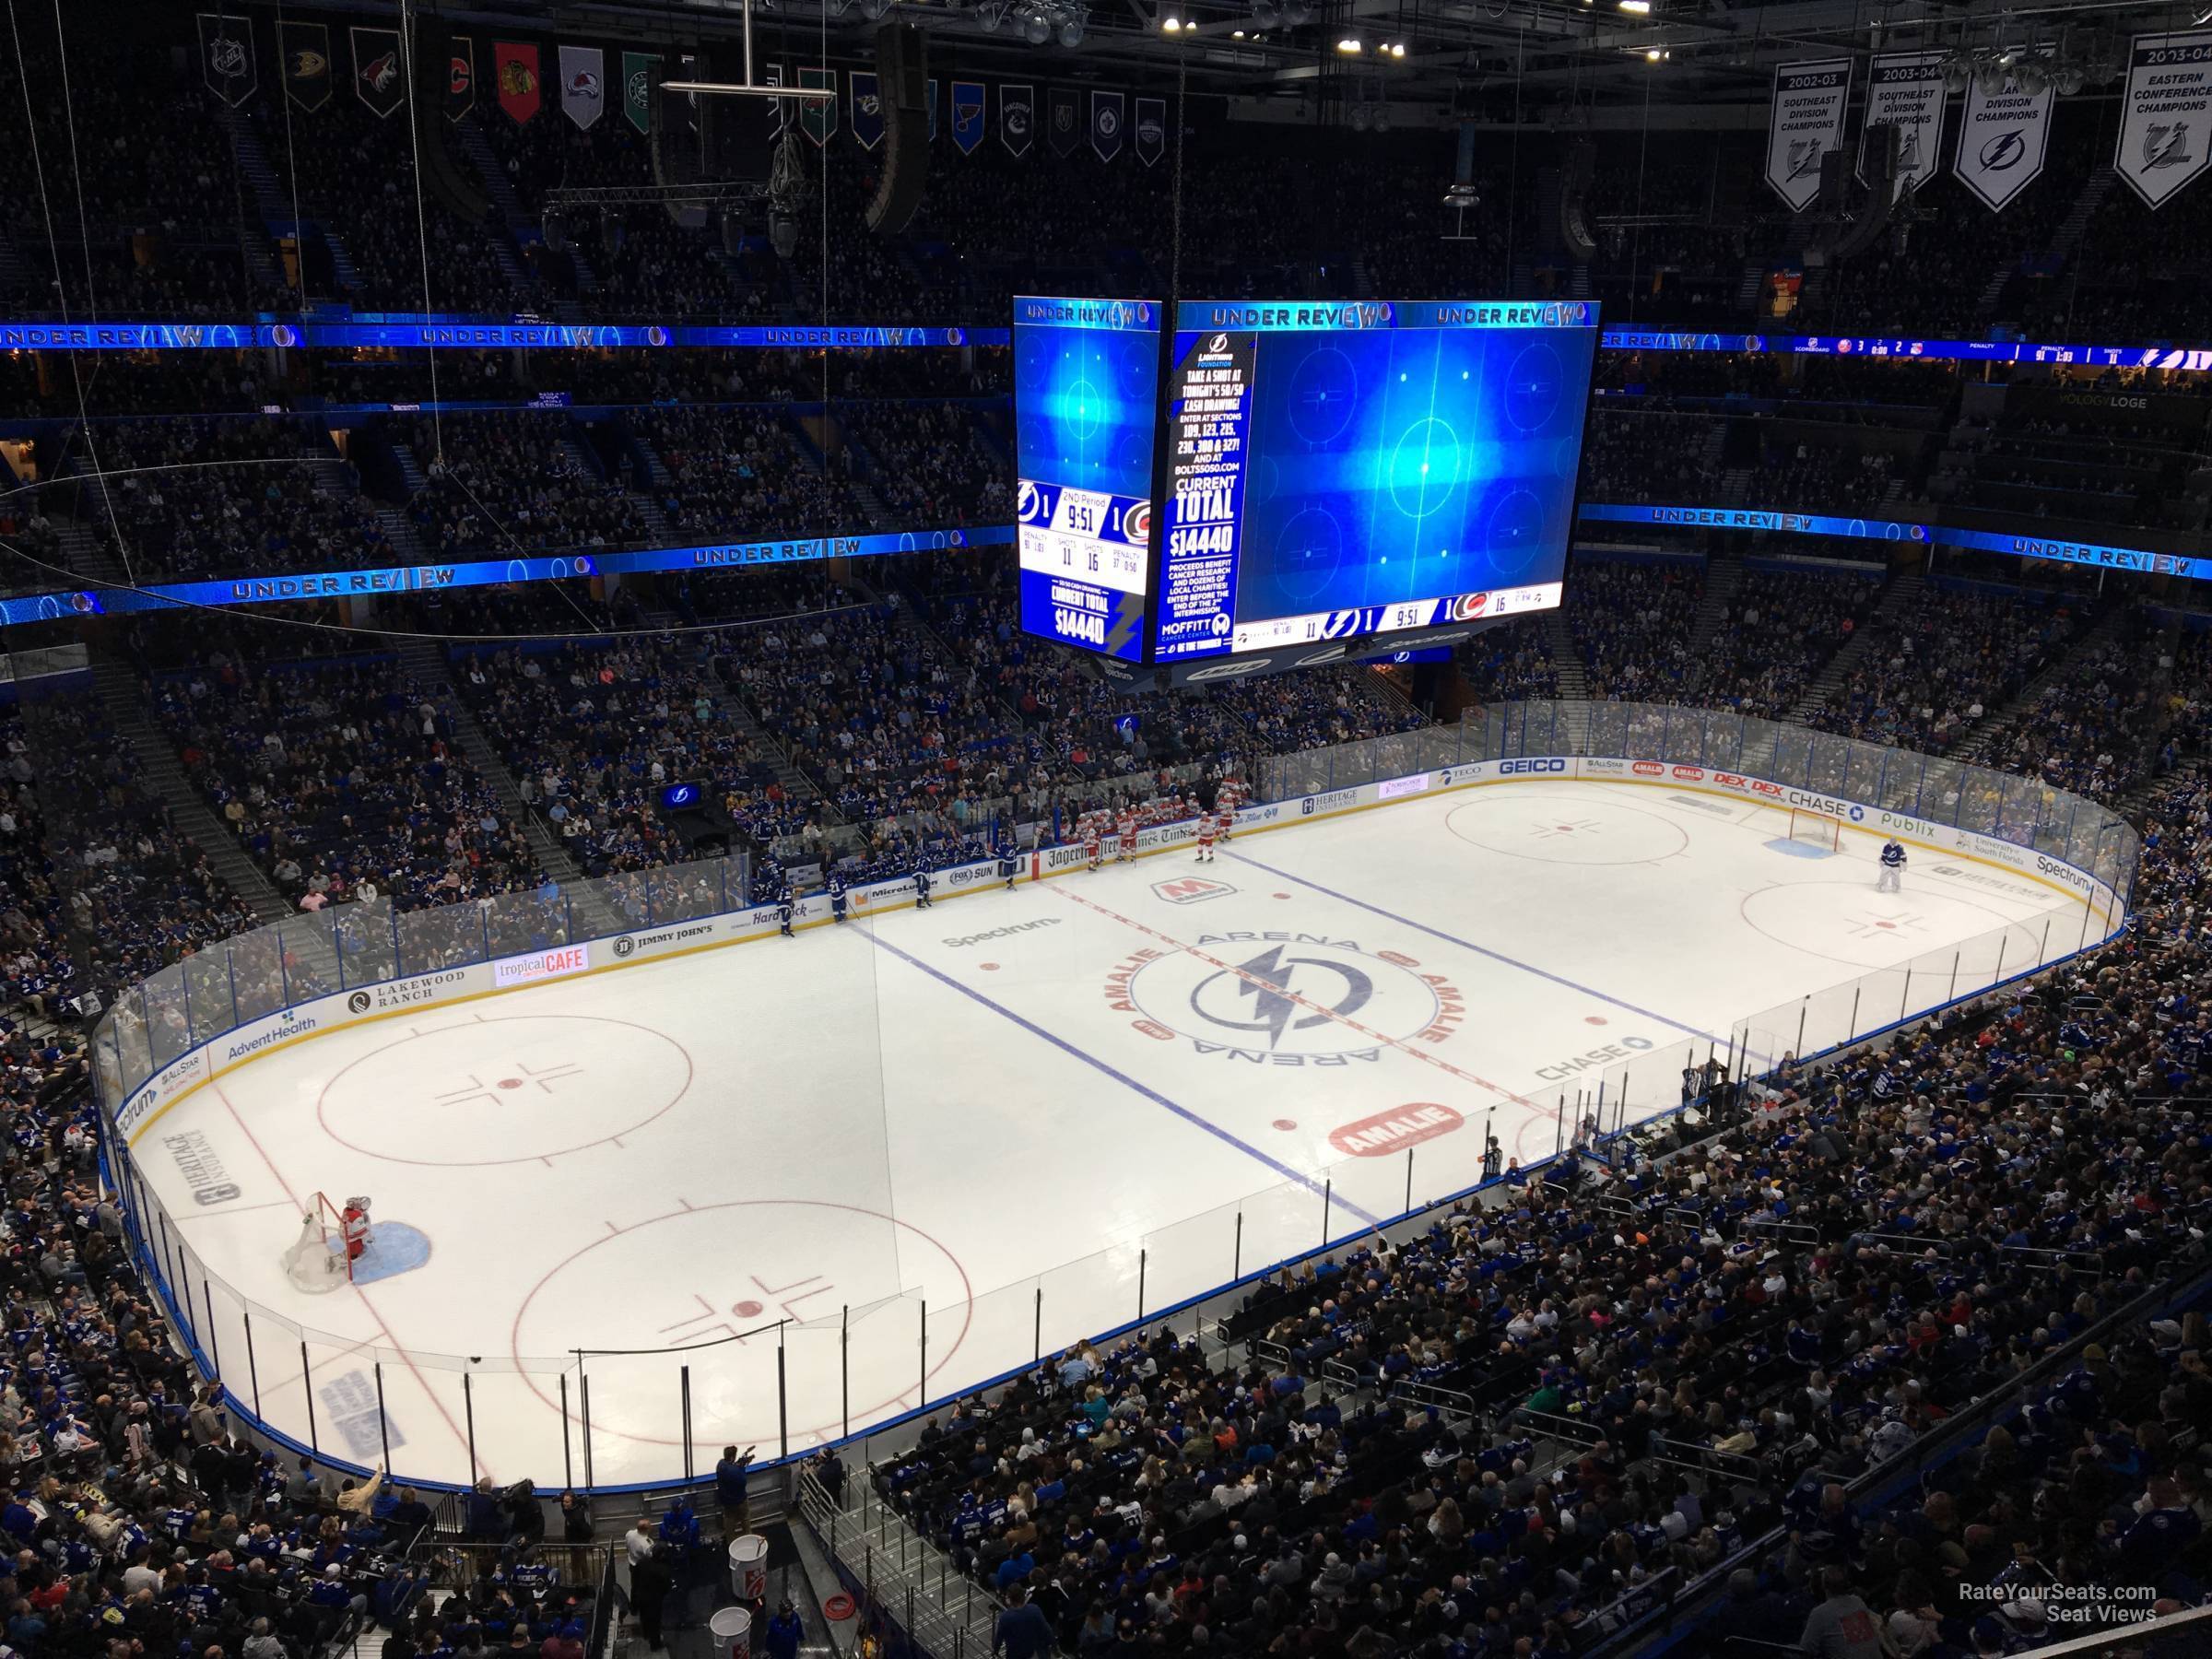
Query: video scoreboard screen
x=1336, y=471
x=1085, y=413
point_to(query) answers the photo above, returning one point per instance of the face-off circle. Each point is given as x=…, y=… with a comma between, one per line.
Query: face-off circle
x=504, y=1090
x=1298, y=996
x=705, y=1280
x=1581, y=828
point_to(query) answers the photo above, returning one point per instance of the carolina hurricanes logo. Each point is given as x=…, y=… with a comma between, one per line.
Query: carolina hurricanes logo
x=1467, y=606
x=380, y=73
x=1136, y=524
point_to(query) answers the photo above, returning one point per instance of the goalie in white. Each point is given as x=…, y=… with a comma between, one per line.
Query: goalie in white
x=1893, y=868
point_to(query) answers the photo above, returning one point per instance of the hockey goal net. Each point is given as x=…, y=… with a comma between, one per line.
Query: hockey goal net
x=317, y=1259
x=1817, y=828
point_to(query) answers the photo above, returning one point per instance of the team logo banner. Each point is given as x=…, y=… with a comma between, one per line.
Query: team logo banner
x=2002, y=140
x=376, y=71
x=461, y=78
x=2165, y=114
x=1806, y=123
x=968, y=115
x=933, y=109
x=1151, y=140
x=227, y=57
x=514, y=65
x=1018, y=118
x=1905, y=90
x=1106, y=111
x=583, y=85
x=1064, y=132
x=867, y=110
x=817, y=116
x=779, y=110
x=637, y=87
x=305, y=49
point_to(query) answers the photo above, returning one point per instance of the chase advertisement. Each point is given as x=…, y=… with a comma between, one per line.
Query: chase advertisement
x=1086, y=402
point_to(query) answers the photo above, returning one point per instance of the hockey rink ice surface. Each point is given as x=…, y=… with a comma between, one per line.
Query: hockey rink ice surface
x=894, y=1134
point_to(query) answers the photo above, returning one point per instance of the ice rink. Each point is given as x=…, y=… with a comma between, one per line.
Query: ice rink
x=891, y=1159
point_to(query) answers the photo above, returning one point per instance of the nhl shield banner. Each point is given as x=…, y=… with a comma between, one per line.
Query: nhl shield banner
x=1806, y=123
x=1905, y=90
x=376, y=73
x=1018, y=118
x=637, y=87
x=514, y=67
x=2001, y=140
x=966, y=115
x=305, y=50
x=867, y=110
x=1106, y=124
x=1063, y=133
x=583, y=85
x=461, y=78
x=817, y=116
x=227, y=57
x=2165, y=114
x=1150, y=142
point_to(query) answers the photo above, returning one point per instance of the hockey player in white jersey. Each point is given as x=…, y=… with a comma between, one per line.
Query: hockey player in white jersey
x=1893, y=868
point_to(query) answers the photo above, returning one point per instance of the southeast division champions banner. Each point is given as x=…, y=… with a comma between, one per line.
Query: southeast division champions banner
x=376, y=75
x=514, y=67
x=227, y=57
x=1806, y=123
x=1905, y=90
x=2165, y=114
x=966, y=115
x=1016, y=117
x=305, y=51
x=867, y=110
x=2002, y=139
x=1106, y=113
x=1064, y=131
x=1151, y=140
x=583, y=85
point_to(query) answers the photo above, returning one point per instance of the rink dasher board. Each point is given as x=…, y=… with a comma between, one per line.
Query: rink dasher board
x=444, y=987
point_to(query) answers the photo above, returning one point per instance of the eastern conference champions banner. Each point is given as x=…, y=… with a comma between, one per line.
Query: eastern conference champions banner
x=1906, y=91
x=1806, y=123
x=2165, y=114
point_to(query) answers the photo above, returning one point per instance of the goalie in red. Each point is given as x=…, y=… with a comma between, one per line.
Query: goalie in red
x=353, y=1223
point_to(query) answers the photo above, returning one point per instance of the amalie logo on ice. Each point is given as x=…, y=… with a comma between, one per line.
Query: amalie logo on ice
x=1387, y=1130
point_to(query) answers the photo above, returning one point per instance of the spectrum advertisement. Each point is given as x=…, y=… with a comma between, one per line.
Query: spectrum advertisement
x=1086, y=409
x=1336, y=471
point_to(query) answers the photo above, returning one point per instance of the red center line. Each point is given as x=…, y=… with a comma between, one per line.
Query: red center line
x=1426, y=1058
x=398, y=1347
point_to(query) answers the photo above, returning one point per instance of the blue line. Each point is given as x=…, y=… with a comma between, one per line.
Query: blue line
x=1438, y=933
x=1126, y=1081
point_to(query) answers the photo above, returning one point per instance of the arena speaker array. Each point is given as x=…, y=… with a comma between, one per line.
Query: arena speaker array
x=902, y=73
x=1574, y=190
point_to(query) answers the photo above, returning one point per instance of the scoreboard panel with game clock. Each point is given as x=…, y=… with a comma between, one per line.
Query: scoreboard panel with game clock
x=1329, y=479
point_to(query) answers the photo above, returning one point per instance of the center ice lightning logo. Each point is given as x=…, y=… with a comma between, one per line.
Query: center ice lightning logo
x=1283, y=999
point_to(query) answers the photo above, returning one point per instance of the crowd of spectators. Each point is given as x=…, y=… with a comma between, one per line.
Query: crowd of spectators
x=499, y=482
x=929, y=465
x=1634, y=454
x=1776, y=632
x=739, y=472
x=2092, y=729
x=1632, y=622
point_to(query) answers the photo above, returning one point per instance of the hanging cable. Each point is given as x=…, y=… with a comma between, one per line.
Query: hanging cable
x=422, y=235
x=291, y=168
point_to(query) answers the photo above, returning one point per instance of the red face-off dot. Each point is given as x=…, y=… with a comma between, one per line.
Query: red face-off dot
x=1282, y=895
x=511, y=1082
x=1286, y=1123
x=1888, y=924
x=749, y=1308
x=988, y=967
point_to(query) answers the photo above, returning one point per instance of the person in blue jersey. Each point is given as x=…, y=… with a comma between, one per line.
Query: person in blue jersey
x=1007, y=863
x=783, y=910
x=1893, y=867
x=837, y=897
x=923, y=879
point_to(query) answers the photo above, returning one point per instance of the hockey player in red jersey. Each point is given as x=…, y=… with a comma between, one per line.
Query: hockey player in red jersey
x=1091, y=842
x=1206, y=822
x=1127, y=828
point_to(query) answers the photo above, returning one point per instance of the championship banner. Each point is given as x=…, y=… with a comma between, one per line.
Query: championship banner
x=376, y=75
x=514, y=67
x=1806, y=123
x=1106, y=110
x=968, y=115
x=867, y=110
x=1905, y=90
x=817, y=116
x=227, y=57
x=2002, y=140
x=637, y=88
x=2165, y=114
x=1151, y=140
x=1016, y=117
x=583, y=85
x=461, y=78
x=1063, y=133
x=305, y=51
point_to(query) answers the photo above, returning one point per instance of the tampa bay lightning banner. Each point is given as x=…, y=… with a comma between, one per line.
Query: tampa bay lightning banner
x=867, y=110
x=1016, y=117
x=1106, y=124
x=1904, y=90
x=1151, y=140
x=2001, y=135
x=2165, y=114
x=423, y=578
x=1806, y=121
x=227, y=57
x=968, y=115
x=1063, y=132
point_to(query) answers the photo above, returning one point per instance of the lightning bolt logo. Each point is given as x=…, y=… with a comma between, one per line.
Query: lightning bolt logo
x=1265, y=982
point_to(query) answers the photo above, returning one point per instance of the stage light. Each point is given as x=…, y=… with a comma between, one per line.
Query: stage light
x=1349, y=43
x=1071, y=33
x=1037, y=29
x=1170, y=25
